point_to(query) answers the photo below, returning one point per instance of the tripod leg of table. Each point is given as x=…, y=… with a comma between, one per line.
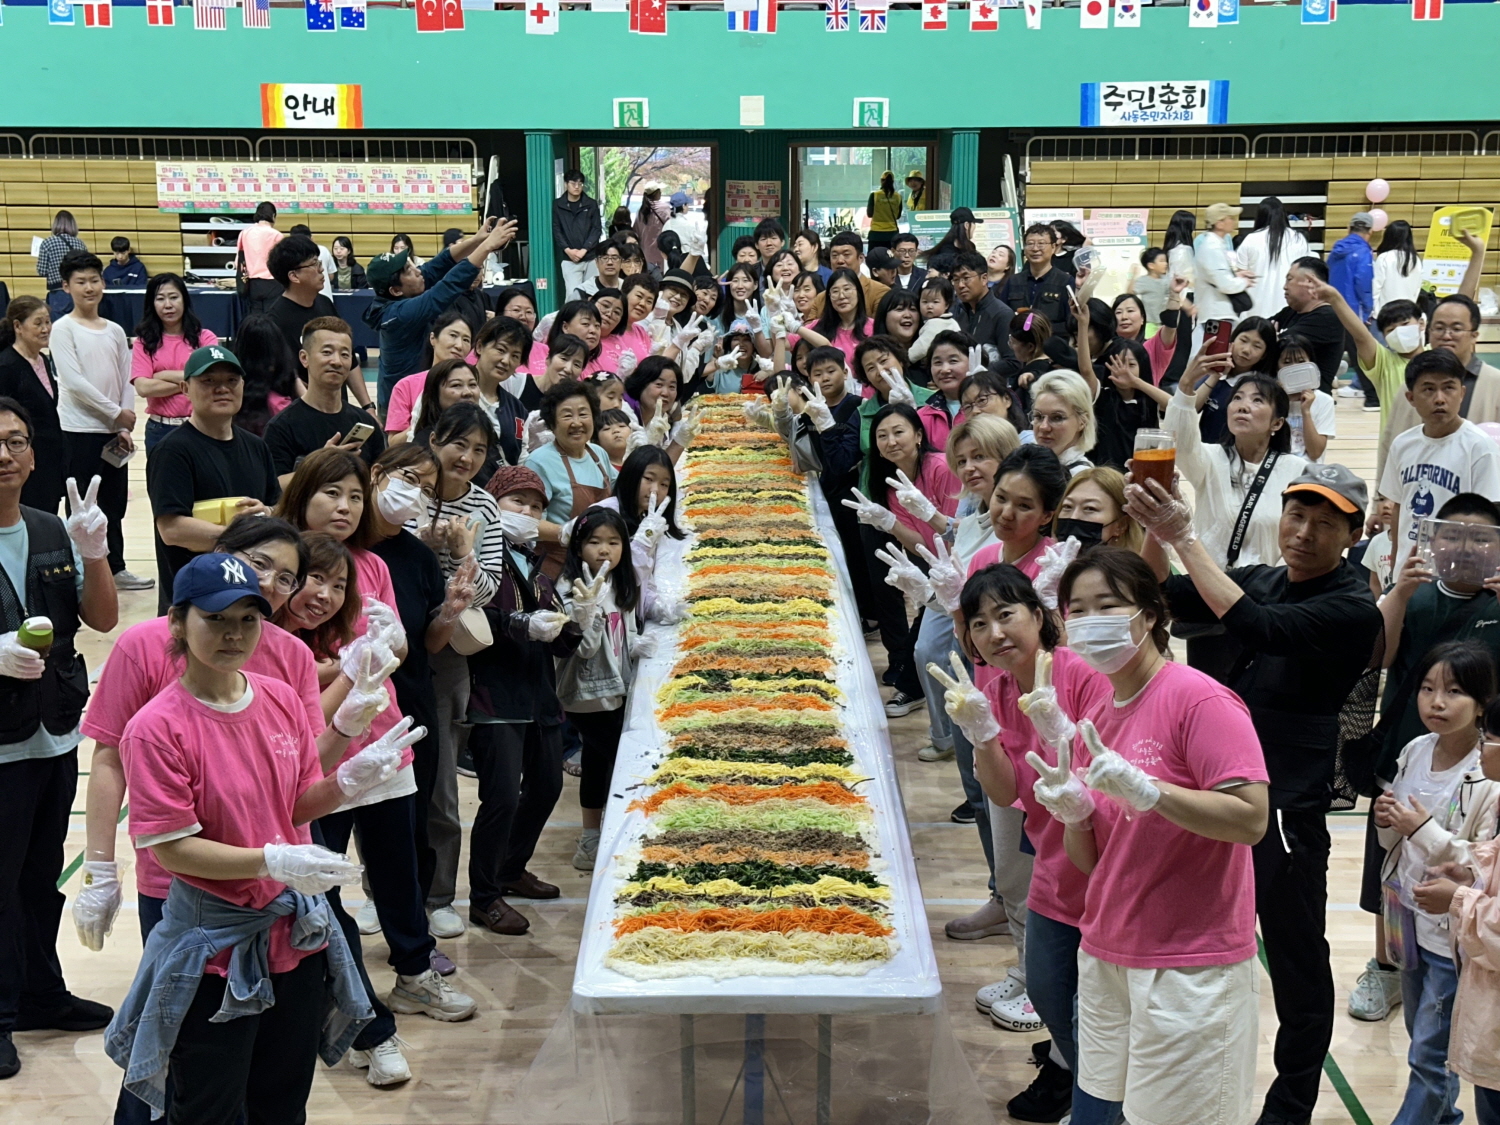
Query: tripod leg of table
x=755, y=1070
x=689, y=1070
x=825, y=1069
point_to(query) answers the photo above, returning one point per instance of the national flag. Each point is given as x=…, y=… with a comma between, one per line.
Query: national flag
x=429, y=15
x=258, y=13
x=1127, y=13
x=60, y=13
x=984, y=16
x=752, y=15
x=1203, y=13
x=541, y=17
x=1427, y=9
x=1229, y=13
x=1033, y=15
x=208, y=15
x=935, y=16
x=648, y=17
x=871, y=20
x=1316, y=11
x=98, y=13
x=453, y=15
x=836, y=15
x=159, y=13
x=1093, y=13
x=351, y=14
x=320, y=15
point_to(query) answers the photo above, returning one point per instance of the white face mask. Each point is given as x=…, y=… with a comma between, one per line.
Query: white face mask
x=520, y=529
x=1103, y=642
x=400, y=501
x=1405, y=338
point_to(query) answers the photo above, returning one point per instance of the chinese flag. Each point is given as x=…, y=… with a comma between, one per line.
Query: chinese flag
x=935, y=16
x=453, y=15
x=1427, y=9
x=649, y=17
x=429, y=15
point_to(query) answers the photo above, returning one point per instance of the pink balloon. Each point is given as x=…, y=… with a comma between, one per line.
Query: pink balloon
x=1493, y=429
x=1376, y=191
x=1380, y=217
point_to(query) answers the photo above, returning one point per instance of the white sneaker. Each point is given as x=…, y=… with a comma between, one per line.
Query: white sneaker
x=366, y=919
x=930, y=753
x=1008, y=989
x=588, y=849
x=384, y=1064
x=1015, y=1014
x=430, y=995
x=1376, y=994
x=444, y=922
x=1349, y=390
x=124, y=580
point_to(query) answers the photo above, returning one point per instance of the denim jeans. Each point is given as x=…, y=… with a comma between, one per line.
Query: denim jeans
x=1486, y=1105
x=935, y=641
x=1427, y=991
x=1052, y=979
x=1089, y=1110
x=156, y=432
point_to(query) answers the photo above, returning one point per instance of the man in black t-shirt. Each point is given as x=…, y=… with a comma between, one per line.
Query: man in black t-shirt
x=206, y=458
x=1312, y=318
x=323, y=418
x=294, y=262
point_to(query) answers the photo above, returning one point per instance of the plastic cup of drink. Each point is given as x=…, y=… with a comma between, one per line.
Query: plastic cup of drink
x=1155, y=458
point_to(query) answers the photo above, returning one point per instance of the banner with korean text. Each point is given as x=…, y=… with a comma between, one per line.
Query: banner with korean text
x=1115, y=105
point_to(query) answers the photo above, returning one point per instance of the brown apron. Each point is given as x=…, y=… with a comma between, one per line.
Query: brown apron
x=584, y=497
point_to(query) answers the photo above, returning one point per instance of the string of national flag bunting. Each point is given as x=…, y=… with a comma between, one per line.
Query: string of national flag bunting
x=649, y=17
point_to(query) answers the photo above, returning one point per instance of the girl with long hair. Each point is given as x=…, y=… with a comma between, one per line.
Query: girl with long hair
x=271, y=378
x=448, y=337
x=167, y=334
x=1398, y=266
x=1268, y=252
x=883, y=209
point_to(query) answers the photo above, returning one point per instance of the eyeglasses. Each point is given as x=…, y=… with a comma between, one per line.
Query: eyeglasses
x=980, y=401
x=314, y=264
x=1050, y=419
x=17, y=444
x=1037, y=244
x=1446, y=330
x=283, y=581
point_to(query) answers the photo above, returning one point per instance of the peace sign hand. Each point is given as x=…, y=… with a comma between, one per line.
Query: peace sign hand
x=1057, y=789
x=1040, y=704
x=905, y=576
x=653, y=523
x=869, y=512
x=965, y=703
x=910, y=497
x=976, y=359
x=88, y=526
x=1113, y=776
x=586, y=595
x=818, y=410
x=373, y=663
x=1055, y=561
x=947, y=581
x=897, y=389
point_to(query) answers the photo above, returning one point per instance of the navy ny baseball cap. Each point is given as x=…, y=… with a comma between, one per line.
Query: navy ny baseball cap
x=215, y=582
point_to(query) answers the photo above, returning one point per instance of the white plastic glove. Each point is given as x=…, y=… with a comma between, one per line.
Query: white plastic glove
x=1167, y=519
x=88, y=526
x=758, y=413
x=587, y=594
x=684, y=337
x=696, y=245
x=900, y=391
x=776, y=322
x=308, y=869
x=765, y=363
x=653, y=523
x=965, y=703
x=18, y=661
x=379, y=761
x=353, y=655
x=976, y=359
x=565, y=532
x=519, y=529
x=626, y=363
x=1040, y=705
x=545, y=624
x=753, y=317
x=658, y=429
x=686, y=430
x=543, y=328
x=645, y=648
x=726, y=361
x=773, y=301
x=790, y=320
x=459, y=593
x=946, y=579
x=818, y=410
x=97, y=903
x=536, y=432
x=663, y=308
x=1113, y=776
x=1058, y=789
x=383, y=624
x=1049, y=572
x=368, y=697
x=703, y=343
x=910, y=497
x=905, y=575
x=781, y=405
x=669, y=611
x=870, y=512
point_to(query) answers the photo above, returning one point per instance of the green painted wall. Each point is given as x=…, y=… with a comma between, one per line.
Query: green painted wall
x=493, y=76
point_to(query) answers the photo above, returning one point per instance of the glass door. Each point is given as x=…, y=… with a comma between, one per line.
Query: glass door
x=834, y=182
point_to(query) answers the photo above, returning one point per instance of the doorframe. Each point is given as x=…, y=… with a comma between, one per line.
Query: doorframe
x=930, y=144
x=663, y=139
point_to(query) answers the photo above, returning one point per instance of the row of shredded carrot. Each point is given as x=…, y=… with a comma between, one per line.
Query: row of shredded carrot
x=818, y=919
x=826, y=791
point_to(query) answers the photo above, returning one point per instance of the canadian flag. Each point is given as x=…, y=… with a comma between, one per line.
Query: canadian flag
x=98, y=14
x=935, y=16
x=984, y=16
x=541, y=17
x=159, y=13
x=1033, y=15
x=1093, y=13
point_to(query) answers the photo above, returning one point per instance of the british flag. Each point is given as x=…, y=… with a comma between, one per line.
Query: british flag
x=836, y=15
x=257, y=13
x=871, y=21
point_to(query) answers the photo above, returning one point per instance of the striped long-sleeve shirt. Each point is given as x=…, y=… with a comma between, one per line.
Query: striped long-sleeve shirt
x=489, y=544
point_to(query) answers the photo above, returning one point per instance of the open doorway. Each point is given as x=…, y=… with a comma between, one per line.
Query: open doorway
x=619, y=174
x=834, y=182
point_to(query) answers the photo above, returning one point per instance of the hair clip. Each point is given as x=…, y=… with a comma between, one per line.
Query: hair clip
x=1026, y=324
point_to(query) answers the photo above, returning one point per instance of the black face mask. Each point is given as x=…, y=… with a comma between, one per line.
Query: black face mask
x=1088, y=534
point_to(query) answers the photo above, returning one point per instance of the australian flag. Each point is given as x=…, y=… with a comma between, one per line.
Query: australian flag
x=352, y=15
x=836, y=15
x=320, y=16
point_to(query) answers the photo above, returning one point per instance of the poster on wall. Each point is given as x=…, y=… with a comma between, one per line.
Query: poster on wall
x=244, y=187
x=210, y=187
x=1445, y=258
x=279, y=182
x=1119, y=236
x=751, y=200
x=453, y=193
x=1072, y=215
x=173, y=188
x=314, y=189
x=382, y=189
x=998, y=228
x=349, y=189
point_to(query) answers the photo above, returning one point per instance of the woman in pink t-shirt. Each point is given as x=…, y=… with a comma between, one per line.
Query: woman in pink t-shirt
x=448, y=338
x=844, y=323
x=1168, y=1002
x=1028, y=488
x=167, y=334
x=224, y=778
x=254, y=245
x=638, y=294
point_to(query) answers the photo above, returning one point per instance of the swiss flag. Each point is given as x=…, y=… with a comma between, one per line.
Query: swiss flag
x=453, y=15
x=541, y=17
x=429, y=15
x=984, y=16
x=649, y=17
x=1093, y=13
x=935, y=16
x=159, y=13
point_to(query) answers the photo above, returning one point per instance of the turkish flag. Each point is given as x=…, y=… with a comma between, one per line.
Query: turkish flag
x=429, y=15
x=935, y=16
x=453, y=15
x=649, y=16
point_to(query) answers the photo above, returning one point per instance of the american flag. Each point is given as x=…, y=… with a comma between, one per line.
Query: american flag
x=352, y=14
x=208, y=15
x=871, y=21
x=836, y=16
x=159, y=13
x=257, y=13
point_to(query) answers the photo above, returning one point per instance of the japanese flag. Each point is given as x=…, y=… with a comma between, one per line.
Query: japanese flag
x=1033, y=14
x=984, y=16
x=1127, y=13
x=1203, y=13
x=935, y=16
x=1093, y=13
x=541, y=17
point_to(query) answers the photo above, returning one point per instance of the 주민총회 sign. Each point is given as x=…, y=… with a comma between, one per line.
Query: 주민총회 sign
x=1133, y=104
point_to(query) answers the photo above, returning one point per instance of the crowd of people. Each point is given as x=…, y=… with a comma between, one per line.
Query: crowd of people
x=360, y=601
